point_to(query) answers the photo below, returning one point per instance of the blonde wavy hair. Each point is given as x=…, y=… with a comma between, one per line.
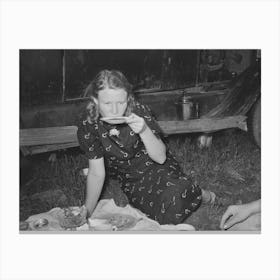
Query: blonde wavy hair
x=112, y=79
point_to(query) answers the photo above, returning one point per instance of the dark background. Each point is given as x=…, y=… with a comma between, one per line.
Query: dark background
x=41, y=71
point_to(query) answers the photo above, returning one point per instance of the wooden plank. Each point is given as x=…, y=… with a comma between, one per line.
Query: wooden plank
x=201, y=94
x=203, y=125
x=65, y=137
x=48, y=135
x=187, y=88
x=192, y=92
x=49, y=148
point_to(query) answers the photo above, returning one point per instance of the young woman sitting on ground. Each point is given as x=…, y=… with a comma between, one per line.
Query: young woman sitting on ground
x=122, y=140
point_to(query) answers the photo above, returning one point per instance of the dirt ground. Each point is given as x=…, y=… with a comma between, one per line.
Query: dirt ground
x=231, y=168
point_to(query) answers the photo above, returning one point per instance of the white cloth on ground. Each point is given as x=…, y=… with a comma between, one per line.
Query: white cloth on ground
x=107, y=216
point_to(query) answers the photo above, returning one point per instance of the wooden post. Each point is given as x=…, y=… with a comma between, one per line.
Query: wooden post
x=197, y=68
x=63, y=74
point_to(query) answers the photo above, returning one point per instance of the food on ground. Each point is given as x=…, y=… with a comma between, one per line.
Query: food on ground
x=113, y=222
x=72, y=217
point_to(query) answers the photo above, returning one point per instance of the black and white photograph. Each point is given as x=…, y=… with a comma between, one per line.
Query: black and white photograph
x=140, y=140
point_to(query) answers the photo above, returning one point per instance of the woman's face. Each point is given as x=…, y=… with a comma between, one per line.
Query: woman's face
x=112, y=102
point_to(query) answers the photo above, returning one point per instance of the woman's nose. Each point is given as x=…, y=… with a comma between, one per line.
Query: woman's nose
x=115, y=109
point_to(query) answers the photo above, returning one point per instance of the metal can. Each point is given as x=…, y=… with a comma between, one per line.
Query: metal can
x=187, y=107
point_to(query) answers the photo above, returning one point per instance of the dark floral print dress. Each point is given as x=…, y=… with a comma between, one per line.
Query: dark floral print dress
x=161, y=191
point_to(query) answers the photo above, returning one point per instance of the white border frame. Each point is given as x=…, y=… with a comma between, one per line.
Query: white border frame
x=135, y=24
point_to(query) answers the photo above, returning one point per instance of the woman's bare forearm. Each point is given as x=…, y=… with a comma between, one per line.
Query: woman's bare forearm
x=154, y=146
x=93, y=190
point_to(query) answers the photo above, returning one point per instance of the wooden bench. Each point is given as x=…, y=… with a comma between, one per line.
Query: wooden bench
x=40, y=140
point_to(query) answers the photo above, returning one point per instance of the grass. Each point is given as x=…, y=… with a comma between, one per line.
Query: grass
x=231, y=168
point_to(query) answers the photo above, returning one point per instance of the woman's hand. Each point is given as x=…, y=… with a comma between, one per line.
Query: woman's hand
x=136, y=123
x=154, y=146
x=235, y=214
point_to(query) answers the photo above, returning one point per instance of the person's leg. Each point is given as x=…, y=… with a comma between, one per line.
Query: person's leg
x=179, y=201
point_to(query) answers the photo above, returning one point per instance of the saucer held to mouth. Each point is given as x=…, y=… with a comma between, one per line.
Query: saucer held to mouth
x=114, y=120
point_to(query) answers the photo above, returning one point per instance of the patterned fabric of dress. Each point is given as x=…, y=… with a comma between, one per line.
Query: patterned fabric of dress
x=162, y=191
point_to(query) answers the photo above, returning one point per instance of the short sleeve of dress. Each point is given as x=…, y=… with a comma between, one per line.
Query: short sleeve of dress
x=145, y=112
x=88, y=139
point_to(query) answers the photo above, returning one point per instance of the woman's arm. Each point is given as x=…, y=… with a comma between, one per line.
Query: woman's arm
x=95, y=181
x=154, y=146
